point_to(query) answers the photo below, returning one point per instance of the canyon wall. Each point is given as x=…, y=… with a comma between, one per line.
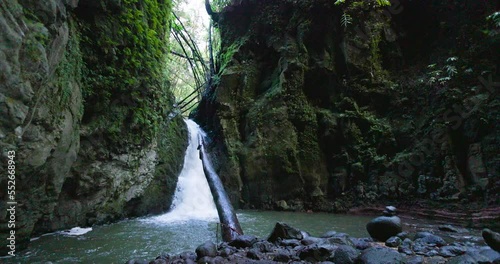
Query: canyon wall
x=319, y=105
x=84, y=104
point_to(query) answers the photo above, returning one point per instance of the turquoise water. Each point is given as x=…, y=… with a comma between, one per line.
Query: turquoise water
x=146, y=238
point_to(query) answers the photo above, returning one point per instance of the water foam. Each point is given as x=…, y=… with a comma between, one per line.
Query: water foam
x=192, y=199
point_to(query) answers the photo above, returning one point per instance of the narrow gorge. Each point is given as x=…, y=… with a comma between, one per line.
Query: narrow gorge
x=336, y=106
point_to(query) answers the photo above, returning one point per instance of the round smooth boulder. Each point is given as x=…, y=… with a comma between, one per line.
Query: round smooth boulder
x=383, y=227
x=243, y=241
x=492, y=239
x=207, y=249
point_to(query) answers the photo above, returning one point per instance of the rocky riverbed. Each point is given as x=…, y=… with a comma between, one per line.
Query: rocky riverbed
x=287, y=244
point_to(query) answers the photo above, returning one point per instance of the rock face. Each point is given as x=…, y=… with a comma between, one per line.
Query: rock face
x=314, y=114
x=85, y=153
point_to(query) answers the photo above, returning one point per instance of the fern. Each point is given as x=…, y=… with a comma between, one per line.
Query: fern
x=345, y=20
x=383, y=2
x=444, y=80
x=338, y=2
x=495, y=17
x=451, y=70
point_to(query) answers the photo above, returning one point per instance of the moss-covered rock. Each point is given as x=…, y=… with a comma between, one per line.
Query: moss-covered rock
x=311, y=106
x=83, y=103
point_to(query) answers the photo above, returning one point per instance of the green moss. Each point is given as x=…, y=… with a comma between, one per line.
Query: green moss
x=126, y=91
x=69, y=70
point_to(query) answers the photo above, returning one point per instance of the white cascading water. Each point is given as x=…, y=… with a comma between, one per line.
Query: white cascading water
x=192, y=198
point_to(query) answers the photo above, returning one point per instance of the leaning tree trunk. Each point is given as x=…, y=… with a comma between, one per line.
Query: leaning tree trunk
x=230, y=225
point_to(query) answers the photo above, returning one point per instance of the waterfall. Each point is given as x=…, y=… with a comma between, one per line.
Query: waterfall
x=192, y=198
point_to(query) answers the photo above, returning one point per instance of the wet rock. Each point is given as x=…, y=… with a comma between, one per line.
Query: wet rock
x=429, y=238
x=226, y=252
x=389, y=211
x=406, y=247
x=376, y=255
x=204, y=260
x=403, y=235
x=451, y=251
x=490, y=254
x=491, y=238
x=282, y=256
x=207, y=249
x=435, y=260
x=284, y=231
x=415, y=260
x=361, y=243
x=314, y=253
x=448, y=228
x=421, y=248
x=243, y=241
x=289, y=243
x=328, y=234
x=187, y=255
x=481, y=256
x=340, y=239
x=311, y=240
x=383, y=227
x=393, y=241
x=463, y=259
x=254, y=254
x=345, y=254
x=264, y=246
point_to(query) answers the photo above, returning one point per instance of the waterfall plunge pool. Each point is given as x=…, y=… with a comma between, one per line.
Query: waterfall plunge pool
x=147, y=238
x=191, y=221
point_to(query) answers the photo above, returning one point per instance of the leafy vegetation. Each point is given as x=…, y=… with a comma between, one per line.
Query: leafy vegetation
x=444, y=74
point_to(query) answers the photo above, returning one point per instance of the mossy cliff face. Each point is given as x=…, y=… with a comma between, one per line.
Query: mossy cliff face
x=82, y=102
x=310, y=109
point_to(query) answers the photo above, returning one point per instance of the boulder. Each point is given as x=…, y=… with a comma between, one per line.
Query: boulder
x=254, y=254
x=492, y=239
x=243, y=241
x=264, y=246
x=361, y=243
x=390, y=211
x=406, y=247
x=429, y=238
x=314, y=253
x=312, y=240
x=207, y=249
x=393, y=241
x=451, y=251
x=376, y=255
x=383, y=227
x=345, y=254
x=282, y=256
x=284, y=231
